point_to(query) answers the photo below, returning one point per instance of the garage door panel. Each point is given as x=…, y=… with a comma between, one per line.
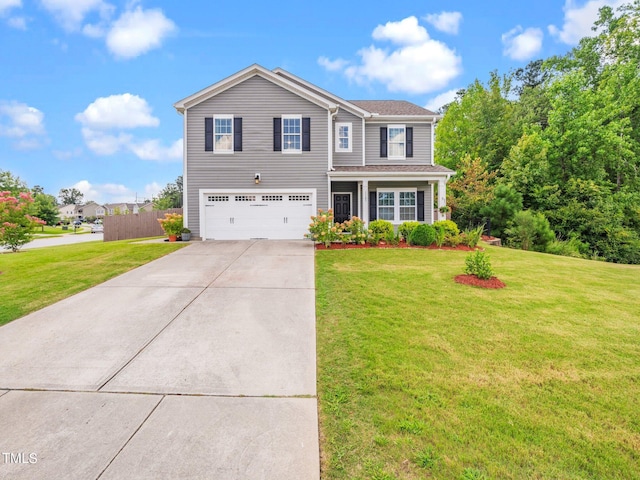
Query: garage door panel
x=273, y=215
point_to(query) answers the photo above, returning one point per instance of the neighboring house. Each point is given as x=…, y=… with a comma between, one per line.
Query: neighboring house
x=126, y=208
x=263, y=150
x=70, y=212
x=92, y=209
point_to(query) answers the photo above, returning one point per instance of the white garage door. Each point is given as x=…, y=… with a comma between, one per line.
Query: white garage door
x=246, y=215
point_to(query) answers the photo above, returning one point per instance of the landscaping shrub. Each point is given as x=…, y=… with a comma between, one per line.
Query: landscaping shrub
x=568, y=248
x=323, y=229
x=472, y=236
x=478, y=264
x=440, y=235
x=392, y=238
x=355, y=230
x=406, y=228
x=529, y=231
x=449, y=226
x=423, y=235
x=380, y=226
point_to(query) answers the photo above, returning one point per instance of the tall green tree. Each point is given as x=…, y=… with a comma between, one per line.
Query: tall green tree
x=70, y=196
x=481, y=123
x=45, y=208
x=11, y=183
x=170, y=196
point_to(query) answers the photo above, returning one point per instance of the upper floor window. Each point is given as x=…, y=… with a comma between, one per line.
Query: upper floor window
x=343, y=137
x=223, y=134
x=396, y=141
x=292, y=134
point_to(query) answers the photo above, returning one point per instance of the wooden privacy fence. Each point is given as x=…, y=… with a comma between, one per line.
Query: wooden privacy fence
x=135, y=225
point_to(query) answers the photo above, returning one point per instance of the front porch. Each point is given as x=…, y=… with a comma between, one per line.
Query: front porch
x=393, y=193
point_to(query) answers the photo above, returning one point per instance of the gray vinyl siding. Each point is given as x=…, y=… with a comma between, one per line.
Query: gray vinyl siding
x=423, y=186
x=421, y=145
x=354, y=158
x=257, y=101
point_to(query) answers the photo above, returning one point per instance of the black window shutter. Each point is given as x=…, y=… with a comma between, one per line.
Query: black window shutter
x=383, y=142
x=208, y=134
x=420, y=206
x=373, y=206
x=306, y=134
x=277, y=134
x=409, y=144
x=237, y=134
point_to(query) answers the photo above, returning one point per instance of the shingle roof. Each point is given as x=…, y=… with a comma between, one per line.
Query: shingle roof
x=391, y=107
x=395, y=168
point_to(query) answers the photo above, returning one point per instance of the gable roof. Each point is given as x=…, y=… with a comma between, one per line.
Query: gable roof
x=249, y=72
x=392, y=107
x=330, y=96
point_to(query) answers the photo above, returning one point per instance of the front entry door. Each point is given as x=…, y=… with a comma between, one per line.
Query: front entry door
x=341, y=207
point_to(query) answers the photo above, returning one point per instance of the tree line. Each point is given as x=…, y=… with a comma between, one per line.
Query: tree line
x=550, y=154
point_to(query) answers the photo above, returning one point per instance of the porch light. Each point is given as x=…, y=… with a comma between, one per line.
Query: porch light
x=257, y=178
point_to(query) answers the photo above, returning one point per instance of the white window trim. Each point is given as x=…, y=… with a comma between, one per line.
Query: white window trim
x=396, y=203
x=404, y=150
x=289, y=151
x=222, y=117
x=349, y=137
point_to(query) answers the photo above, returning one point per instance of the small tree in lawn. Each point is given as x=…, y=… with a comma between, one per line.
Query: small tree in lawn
x=16, y=225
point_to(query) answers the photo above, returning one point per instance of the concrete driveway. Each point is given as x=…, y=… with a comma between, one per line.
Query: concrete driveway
x=198, y=365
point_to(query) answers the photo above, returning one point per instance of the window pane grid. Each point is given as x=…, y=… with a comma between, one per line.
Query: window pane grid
x=291, y=133
x=223, y=139
x=396, y=142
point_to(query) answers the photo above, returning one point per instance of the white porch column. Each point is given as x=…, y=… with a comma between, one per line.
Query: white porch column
x=359, y=209
x=442, y=198
x=365, y=201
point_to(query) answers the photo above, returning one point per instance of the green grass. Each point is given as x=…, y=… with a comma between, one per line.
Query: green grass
x=32, y=279
x=420, y=377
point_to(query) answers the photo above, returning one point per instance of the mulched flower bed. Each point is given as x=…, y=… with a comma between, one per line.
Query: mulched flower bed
x=341, y=246
x=474, y=281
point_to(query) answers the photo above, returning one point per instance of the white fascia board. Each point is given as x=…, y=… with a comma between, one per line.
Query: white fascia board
x=386, y=176
x=245, y=74
x=404, y=119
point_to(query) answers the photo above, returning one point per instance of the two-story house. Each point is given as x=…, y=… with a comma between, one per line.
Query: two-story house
x=264, y=150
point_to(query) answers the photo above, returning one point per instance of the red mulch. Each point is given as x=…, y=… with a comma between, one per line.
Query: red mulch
x=341, y=246
x=474, y=281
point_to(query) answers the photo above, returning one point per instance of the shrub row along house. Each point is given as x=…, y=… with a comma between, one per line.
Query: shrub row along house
x=94, y=210
x=264, y=150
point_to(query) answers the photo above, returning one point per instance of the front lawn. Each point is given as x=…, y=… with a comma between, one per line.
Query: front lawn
x=32, y=279
x=420, y=377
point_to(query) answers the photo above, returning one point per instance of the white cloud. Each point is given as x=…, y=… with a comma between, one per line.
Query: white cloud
x=105, y=193
x=105, y=123
x=20, y=120
x=105, y=143
x=332, y=65
x=71, y=13
x=152, y=189
x=522, y=44
x=434, y=104
x=6, y=5
x=404, y=32
x=419, y=65
x=154, y=150
x=67, y=154
x=448, y=22
x=138, y=31
x=118, y=111
x=19, y=23
x=578, y=20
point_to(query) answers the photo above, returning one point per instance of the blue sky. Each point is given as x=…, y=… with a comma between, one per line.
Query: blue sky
x=87, y=86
